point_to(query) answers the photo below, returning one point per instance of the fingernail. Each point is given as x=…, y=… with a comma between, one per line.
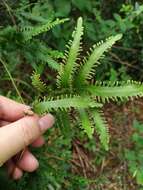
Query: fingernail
x=46, y=122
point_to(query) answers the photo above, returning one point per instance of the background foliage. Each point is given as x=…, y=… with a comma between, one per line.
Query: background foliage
x=58, y=159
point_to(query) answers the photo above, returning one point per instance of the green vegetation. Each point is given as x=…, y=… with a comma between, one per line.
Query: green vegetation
x=38, y=68
x=135, y=156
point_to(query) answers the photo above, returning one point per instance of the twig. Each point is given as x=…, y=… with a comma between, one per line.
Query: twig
x=9, y=11
x=123, y=62
x=80, y=159
x=125, y=48
x=11, y=78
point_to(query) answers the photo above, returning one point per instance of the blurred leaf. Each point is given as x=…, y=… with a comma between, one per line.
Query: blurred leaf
x=83, y=5
x=140, y=176
x=63, y=7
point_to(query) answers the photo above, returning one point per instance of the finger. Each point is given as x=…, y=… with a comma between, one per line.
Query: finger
x=38, y=142
x=17, y=135
x=17, y=174
x=11, y=110
x=28, y=162
x=10, y=167
x=13, y=171
x=3, y=123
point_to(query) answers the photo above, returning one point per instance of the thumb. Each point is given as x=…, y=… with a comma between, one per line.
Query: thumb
x=17, y=135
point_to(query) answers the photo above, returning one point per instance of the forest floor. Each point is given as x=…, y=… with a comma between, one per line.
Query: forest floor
x=112, y=172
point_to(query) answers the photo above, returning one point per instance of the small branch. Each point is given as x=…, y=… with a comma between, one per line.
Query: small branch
x=122, y=62
x=126, y=49
x=9, y=12
x=11, y=78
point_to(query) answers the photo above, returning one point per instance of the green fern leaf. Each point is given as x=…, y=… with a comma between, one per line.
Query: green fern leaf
x=46, y=55
x=86, y=123
x=65, y=103
x=66, y=72
x=30, y=32
x=101, y=128
x=53, y=64
x=37, y=83
x=56, y=54
x=105, y=91
x=63, y=121
x=35, y=17
x=88, y=67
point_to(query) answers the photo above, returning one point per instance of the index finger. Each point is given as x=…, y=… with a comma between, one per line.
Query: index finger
x=11, y=110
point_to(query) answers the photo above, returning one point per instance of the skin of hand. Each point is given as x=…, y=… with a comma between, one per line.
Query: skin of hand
x=17, y=131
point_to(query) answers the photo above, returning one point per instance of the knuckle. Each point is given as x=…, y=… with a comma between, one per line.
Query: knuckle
x=2, y=113
x=2, y=107
x=30, y=130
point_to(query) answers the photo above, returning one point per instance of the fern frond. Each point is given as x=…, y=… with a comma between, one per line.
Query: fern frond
x=56, y=54
x=37, y=18
x=86, y=123
x=101, y=128
x=45, y=54
x=63, y=121
x=37, y=83
x=30, y=32
x=53, y=64
x=67, y=70
x=8, y=31
x=64, y=103
x=88, y=67
x=116, y=90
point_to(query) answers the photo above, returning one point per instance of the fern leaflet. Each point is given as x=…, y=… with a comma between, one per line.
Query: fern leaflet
x=101, y=128
x=66, y=71
x=64, y=122
x=86, y=70
x=64, y=103
x=117, y=90
x=86, y=123
x=37, y=83
x=30, y=32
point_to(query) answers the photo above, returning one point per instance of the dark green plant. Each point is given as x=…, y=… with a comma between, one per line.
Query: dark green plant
x=119, y=17
x=22, y=44
x=17, y=41
x=75, y=90
x=19, y=48
x=134, y=155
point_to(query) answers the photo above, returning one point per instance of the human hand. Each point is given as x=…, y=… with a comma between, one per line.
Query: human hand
x=17, y=131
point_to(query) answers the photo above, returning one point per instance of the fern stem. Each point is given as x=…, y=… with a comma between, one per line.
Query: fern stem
x=12, y=81
x=9, y=10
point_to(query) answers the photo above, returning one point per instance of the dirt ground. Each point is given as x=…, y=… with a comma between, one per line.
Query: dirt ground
x=112, y=172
